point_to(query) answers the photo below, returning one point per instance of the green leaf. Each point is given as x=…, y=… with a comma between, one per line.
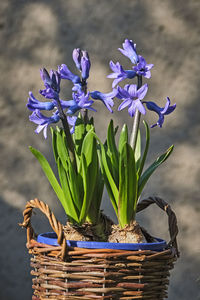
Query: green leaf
x=51, y=177
x=145, y=150
x=145, y=176
x=85, y=178
x=98, y=191
x=54, y=138
x=112, y=152
x=62, y=149
x=70, y=205
x=89, y=162
x=79, y=134
x=108, y=178
x=75, y=186
x=123, y=137
x=138, y=150
x=128, y=182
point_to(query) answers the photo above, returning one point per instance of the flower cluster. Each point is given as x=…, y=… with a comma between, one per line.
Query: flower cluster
x=81, y=99
x=132, y=95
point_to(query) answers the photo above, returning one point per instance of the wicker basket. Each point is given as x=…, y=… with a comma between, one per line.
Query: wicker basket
x=62, y=272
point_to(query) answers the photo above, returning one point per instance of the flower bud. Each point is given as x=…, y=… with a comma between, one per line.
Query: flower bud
x=85, y=65
x=76, y=55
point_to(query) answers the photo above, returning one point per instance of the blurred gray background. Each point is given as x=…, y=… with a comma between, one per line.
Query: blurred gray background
x=37, y=34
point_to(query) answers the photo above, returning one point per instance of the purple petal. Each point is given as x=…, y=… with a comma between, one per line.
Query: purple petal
x=129, y=51
x=132, y=109
x=67, y=103
x=153, y=106
x=76, y=55
x=132, y=90
x=85, y=67
x=147, y=74
x=33, y=104
x=122, y=93
x=149, y=66
x=160, y=120
x=65, y=73
x=140, y=106
x=113, y=67
x=116, y=81
x=124, y=104
x=130, y=74
x=164, y=110
x=141, y=93
x=142, y=62
x=40, y=128
x=72, y=122
x=170, y=109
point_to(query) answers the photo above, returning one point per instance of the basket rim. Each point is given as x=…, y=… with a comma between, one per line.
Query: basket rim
x=50, y=238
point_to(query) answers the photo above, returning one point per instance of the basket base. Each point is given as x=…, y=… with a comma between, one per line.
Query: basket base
x=100, y=273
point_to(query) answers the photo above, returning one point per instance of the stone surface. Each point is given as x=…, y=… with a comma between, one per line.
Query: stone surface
x=37, y=33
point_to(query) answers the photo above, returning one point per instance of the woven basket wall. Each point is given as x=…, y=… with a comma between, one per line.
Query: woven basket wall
x=61, y=272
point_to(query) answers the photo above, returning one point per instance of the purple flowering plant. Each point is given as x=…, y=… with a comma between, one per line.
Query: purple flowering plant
x=85, y=164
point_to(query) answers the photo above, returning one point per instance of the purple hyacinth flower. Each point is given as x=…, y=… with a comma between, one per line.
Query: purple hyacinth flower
x=42, y=121
x=66, y=103
x=161, y=111
x=107, y=99
x=51, y=82
x=72, y=122
x=33, y=104
x=132, y=98
x=65, y=73
x=85, y=65
x=142, y=68
x=77, y=87
x=81, y=101
x=119, y=73
x=76, y=55
x=129, y=51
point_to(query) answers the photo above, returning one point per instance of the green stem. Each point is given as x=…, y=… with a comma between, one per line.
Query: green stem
x=136, y=121
x=84, y=111
x=70, y=143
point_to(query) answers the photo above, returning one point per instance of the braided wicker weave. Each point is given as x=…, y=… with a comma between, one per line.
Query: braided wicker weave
x=62, y=272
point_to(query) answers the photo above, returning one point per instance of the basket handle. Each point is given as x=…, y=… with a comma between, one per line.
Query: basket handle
x=55, y=225
x=172, y=220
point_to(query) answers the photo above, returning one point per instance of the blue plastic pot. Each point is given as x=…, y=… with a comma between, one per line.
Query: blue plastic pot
x=50, y=238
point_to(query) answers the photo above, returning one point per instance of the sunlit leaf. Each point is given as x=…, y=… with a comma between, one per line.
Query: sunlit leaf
x=145, y=150
x=127, y=185
x=145, y=176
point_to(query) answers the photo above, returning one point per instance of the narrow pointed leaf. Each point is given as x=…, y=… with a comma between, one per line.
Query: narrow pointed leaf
x=79, y=135
x=108, y=175
x=127, y=186
x=89, y=160
x=54, y=138
x=62, y=150
x=50, y=176
x=74, y=186
x=113, y=152
x=108, y=178
x=123, y=137
x=85, y=178
x=145, y=176
x=145, y=150
x=107, y=184
x=70, y=204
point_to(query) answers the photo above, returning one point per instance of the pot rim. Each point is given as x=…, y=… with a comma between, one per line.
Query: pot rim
x=50, y=238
